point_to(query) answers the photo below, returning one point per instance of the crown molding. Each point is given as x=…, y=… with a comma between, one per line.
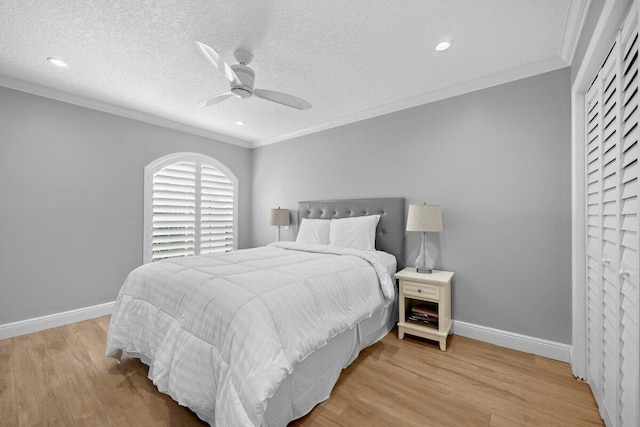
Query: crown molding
x=576, y=17
x=117, y=110
x=495, y=79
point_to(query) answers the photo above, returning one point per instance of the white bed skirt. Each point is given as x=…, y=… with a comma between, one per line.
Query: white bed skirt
x=313, y=379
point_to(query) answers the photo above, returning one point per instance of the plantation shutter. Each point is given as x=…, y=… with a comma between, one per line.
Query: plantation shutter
x=190, y=208
x=174, y=211
x=612, y=231
x=216, y=220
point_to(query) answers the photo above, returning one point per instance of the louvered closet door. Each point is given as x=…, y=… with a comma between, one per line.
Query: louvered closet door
x=610, y=78
x=612, y=231
x=629, y=238
x=594, y=234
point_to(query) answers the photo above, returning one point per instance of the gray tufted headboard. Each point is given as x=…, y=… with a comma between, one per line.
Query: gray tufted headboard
x=391, y=228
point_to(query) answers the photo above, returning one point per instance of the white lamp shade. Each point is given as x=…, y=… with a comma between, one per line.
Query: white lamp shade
x=279, y=217
x=427, y=218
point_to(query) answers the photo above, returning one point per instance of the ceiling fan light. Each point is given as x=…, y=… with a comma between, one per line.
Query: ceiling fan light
x=57, y=62
x=442, y=46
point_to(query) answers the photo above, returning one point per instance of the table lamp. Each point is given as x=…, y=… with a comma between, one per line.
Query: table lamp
x=279, y=217
x=426, y=219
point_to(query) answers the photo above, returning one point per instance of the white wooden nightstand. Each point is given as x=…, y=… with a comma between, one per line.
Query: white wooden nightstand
x=425, y=293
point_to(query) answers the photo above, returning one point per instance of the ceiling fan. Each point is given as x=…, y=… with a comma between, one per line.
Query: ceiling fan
x=241, y=77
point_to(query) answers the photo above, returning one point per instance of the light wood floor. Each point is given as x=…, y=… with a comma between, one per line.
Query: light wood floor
x=60, y=377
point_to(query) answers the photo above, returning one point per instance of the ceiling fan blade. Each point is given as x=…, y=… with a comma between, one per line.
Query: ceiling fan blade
x=282, y=98
x=215, y=99
x=218, y=62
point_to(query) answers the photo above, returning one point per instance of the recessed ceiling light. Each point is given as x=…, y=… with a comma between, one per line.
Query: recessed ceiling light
x=57, y=61
x=443, y=46
x=239, y=122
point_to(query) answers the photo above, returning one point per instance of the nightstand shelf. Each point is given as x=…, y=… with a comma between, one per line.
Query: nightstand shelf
x=431, y=290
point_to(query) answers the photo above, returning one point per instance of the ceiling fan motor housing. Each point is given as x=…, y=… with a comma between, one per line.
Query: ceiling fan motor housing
x=242, y=79
x=246, y=76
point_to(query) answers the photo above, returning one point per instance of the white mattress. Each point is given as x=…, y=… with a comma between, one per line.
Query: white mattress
x=228, y=335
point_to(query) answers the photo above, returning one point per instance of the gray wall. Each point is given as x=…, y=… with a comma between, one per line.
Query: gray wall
x=497, y=161
x=71, y=200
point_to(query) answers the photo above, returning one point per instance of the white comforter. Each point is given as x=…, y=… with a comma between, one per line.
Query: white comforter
x=221, y=332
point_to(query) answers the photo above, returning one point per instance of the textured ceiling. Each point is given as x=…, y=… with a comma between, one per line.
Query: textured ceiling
x=350, y=59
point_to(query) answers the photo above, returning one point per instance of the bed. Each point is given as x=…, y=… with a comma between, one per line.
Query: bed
x=258, y=337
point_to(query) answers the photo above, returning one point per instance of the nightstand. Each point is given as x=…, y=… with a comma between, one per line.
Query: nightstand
x=425, y=305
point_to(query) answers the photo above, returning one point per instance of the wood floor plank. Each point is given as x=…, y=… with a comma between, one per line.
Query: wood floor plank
x=61, y=377
x=112, y=375
x=8, y=410
x=407, y=403
x=319, y=417
x=39, y=390
x=466, y=388
x=76, y=372
x=103, y=322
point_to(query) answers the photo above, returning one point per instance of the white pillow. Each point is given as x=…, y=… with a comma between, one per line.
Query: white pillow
x=355, y=232
x=314, y=231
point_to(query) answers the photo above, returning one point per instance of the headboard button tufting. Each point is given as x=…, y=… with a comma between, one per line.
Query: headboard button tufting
x=390, y=241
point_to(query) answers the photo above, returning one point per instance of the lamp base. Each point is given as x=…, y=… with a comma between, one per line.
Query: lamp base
x=424, y=263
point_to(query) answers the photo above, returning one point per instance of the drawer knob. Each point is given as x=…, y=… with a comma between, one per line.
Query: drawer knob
x=419, y=290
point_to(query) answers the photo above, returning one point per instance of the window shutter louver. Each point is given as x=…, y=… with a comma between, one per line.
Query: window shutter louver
x=190, y=207
x=174, y=211
x=216, y=218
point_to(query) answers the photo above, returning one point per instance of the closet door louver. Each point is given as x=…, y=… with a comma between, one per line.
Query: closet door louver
x=629, y=239
x=174, y=211
x=612, y=235
x=594, y=233
x=610, y=224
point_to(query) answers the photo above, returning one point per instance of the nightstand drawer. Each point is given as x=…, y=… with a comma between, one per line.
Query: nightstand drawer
x=421, y=290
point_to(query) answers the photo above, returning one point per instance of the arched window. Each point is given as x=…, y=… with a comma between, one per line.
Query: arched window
x=190, y=207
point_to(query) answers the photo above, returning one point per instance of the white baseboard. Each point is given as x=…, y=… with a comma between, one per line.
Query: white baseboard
x=541, y=347
x=36, y=324
x=538, y=346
